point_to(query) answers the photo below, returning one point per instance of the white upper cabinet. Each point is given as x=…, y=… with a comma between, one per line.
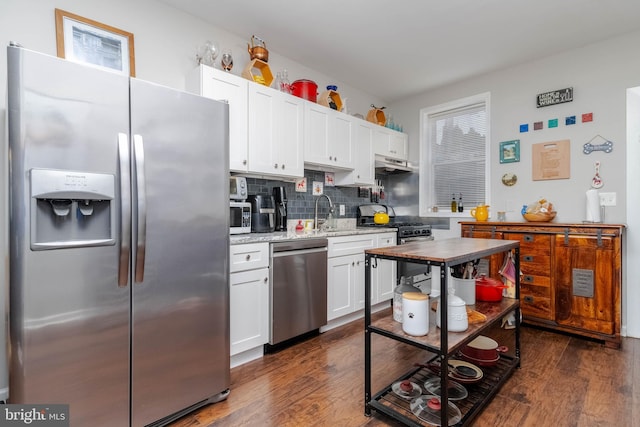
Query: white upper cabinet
x=363, y=173
x=329, y=138
x=265, y=125
x=390, y=143
x=219, y=85
x=275, y=132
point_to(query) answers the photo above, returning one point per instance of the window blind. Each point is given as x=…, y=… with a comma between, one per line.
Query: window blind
x=457, y=143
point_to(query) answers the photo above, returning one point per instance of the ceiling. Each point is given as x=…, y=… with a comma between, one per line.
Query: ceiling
x=397, y=48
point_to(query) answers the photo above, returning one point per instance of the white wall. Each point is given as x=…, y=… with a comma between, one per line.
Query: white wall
x=632, y=291
x=165, y=40
x=600, y=75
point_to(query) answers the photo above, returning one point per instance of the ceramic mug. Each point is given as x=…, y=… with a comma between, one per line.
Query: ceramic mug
x=480, y=212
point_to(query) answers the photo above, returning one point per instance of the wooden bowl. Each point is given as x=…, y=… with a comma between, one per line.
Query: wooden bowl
x=539, y=217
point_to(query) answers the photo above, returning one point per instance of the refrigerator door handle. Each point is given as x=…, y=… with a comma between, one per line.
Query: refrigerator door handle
x=138, y=154
x=125, y=212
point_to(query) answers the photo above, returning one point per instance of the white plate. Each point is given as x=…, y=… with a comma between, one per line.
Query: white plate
x=456, y=363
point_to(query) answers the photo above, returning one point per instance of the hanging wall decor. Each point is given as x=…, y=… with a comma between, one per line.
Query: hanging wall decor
x=551, y=160
x=606, y=146
x=510, y=151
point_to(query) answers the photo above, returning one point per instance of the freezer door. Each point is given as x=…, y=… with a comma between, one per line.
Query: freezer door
x=69, y=318
x=180, y=342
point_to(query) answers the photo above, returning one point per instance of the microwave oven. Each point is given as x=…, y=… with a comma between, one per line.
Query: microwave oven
x=237, y=188
x=239, y=217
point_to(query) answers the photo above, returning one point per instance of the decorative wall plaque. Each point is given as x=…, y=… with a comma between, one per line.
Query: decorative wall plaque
x=554, y=97
x=582, y=283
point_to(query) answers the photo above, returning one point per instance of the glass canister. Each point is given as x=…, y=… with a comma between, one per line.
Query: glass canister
x=397, y=298
x=415, y=313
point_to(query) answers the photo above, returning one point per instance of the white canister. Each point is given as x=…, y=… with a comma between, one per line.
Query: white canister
x=415, y=313
x=457, y=318
x=465, y=289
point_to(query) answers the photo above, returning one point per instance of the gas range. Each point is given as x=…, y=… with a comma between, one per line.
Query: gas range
x=406, y=230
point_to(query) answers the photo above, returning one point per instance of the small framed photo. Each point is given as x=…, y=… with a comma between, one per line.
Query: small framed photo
x=510, y=151
x=89, y=42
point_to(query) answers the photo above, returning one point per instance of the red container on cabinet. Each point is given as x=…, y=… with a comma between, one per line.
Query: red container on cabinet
x=306, y=89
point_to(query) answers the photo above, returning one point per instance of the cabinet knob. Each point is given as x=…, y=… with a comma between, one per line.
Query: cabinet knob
x=266, y=279
x=335, y=158
x=353, y=263
x=248, y=257
x=528, y=258
x=330, y=157
x=528, y=279
x=528, y=238
x=275, y=166
x=244, y=162
x=282, y=167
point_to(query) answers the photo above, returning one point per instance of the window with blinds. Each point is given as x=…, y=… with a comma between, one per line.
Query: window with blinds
x=455, y=138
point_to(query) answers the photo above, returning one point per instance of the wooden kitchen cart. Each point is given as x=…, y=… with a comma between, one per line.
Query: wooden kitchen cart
x=572, y=274
x=438, y=343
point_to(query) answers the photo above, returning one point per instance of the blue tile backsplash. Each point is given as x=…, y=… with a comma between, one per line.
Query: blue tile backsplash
x=302, y=205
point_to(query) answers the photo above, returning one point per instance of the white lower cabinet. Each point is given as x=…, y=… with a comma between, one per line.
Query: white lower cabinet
x=249, y=297
x=385, y=275
x=345, y=276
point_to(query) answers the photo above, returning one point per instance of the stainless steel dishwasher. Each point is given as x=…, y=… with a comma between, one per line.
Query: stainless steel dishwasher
x=298, y=294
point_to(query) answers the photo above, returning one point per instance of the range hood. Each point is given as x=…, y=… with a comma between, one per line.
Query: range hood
x=387, y=166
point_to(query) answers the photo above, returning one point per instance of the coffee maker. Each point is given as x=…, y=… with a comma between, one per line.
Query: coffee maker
x=280, y=198
x=262, y=213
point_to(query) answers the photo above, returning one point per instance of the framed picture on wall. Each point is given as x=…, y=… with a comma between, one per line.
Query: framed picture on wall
x=86, y=41
x=510, y=151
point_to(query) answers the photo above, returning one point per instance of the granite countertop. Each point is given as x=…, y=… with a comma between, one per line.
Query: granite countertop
x=292, y=235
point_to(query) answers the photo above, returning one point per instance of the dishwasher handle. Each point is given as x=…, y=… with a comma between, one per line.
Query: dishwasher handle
x=298, y=252
x=294, y=245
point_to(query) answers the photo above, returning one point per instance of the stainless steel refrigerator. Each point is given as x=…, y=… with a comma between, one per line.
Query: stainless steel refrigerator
x=119, y=237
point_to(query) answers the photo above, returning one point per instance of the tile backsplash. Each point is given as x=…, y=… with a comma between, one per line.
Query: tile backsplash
x=302, y=205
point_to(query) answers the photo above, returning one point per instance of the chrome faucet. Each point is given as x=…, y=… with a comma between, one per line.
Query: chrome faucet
x=315, y=217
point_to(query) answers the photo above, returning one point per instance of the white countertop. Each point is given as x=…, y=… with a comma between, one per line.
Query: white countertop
x=292, y=235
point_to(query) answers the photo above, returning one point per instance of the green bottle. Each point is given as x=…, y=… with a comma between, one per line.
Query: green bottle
x=454, y=205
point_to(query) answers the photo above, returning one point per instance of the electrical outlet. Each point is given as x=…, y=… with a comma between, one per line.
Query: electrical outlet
x=341, y=210
x=607, y=199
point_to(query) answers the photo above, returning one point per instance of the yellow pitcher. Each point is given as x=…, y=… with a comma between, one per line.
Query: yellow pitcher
x=480, y=212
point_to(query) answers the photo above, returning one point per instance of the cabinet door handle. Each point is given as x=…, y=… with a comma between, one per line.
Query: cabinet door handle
x=353, y=263
x=283, y=167
x=528, y=238
x=275, y=166
x=528, y=299
x=528, y=279
x=244, y=162
x=528, y=258
x=266, y=279
x=248, y=257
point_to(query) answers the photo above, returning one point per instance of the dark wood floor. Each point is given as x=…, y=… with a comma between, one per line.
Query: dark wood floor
x=563, y=381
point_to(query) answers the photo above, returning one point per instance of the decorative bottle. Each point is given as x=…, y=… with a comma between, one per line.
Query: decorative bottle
x=460, y=206
x=285, y=85
x=454, y=205
x=397, y=298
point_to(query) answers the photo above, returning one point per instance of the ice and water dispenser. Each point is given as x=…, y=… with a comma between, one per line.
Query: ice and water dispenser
x=71, y=209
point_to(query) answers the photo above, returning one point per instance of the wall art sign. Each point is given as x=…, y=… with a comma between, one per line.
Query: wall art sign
x=510, y=151
x=551, y=160
x=89, y=42
x=554, y=97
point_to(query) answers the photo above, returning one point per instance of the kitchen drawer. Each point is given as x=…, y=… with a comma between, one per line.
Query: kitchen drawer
x=535, y=291
x=534, y=306
x=248, y=256
x=532, y=243
x=351, y=245
x=534, y=280
x=386, y=239
x=537, y=265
